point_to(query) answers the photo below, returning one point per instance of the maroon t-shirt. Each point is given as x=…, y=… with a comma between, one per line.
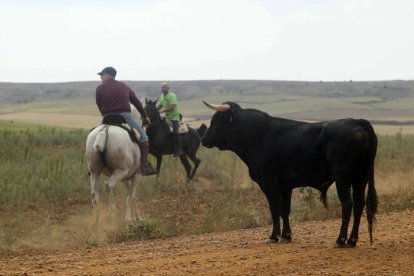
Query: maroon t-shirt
x=113, y=96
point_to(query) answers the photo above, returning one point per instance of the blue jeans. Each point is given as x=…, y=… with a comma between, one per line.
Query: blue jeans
x=134, y=123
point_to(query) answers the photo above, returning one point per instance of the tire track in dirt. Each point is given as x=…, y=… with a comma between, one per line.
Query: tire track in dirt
x=239, y=252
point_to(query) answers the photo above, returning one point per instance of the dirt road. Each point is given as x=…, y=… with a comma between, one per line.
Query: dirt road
x=90, y=121
x=241, y=252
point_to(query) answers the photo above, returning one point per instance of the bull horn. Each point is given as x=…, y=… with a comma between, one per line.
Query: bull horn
x=218, y=107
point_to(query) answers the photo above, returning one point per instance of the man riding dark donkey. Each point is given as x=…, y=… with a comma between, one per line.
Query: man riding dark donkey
x=114, y=97
x=168, y=104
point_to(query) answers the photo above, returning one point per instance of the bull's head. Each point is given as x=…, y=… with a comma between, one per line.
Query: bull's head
x=219, y=130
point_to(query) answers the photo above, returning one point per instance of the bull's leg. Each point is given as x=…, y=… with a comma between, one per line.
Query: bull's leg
x=186, y=164
x=274, y=203
x=95, y=188
x=358, y=193
x=344, y=194
x=285, y=211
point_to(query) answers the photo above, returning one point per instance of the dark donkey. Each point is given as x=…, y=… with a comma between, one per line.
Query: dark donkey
x=161, y=143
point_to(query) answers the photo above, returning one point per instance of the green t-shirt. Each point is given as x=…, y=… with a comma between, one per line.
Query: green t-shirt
x=166, y=101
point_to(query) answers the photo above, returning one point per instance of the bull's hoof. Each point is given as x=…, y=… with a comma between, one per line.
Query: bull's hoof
x=352, y=242
x=340, y=243
x=271, y=240
x=285, y=238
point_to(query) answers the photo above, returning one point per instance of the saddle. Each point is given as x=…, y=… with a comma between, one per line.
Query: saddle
x=119, y=121
x=183, y=129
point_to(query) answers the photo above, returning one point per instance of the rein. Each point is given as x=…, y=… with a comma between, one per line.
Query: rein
x=159, y=122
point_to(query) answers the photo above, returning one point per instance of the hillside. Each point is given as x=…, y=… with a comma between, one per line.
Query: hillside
x=15, y=93
x=383, y=102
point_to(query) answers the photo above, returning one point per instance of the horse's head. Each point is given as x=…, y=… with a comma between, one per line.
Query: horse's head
x=151, y=110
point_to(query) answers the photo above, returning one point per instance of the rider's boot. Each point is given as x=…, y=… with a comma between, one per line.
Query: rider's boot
x=146, y=167
x=177, y=145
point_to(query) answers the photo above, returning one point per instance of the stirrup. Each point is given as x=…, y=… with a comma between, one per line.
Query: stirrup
x=149, y=171
x=178, y=153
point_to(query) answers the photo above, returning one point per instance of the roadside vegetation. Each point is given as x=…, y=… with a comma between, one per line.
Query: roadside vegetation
x=45, y=193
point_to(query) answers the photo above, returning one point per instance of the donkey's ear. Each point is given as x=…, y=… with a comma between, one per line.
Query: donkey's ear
x=143, y=101
x=155, y=102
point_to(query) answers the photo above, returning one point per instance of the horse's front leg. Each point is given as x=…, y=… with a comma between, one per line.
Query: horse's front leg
x=132, y=212
x=187, y=166
x=159, y=161
x=128, y=201
x=117, y=175
x=95, y=189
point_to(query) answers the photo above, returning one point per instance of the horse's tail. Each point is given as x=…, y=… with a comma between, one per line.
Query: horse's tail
x=100, y=141
x=202, y=130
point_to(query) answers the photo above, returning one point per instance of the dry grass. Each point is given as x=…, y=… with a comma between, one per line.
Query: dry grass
x=45, y=201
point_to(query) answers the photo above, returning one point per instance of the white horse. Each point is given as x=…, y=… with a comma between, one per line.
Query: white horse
x=110, y=151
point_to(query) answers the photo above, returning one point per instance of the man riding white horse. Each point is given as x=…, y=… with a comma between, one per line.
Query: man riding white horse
x=114, y=97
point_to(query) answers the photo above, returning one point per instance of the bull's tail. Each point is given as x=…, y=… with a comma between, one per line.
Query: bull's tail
x=100, y=141
x=372, y=199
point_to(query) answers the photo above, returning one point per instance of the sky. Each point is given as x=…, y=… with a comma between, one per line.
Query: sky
x=313, y=40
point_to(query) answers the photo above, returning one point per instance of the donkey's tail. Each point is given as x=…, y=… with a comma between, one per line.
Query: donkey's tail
x=100, y=141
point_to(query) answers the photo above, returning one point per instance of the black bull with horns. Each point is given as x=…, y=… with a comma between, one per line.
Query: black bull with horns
x=285, y=154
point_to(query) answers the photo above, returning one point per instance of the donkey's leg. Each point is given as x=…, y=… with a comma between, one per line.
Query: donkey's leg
x=117, y=175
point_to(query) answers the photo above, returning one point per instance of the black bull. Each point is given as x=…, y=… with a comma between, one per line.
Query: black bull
x=284, y=154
